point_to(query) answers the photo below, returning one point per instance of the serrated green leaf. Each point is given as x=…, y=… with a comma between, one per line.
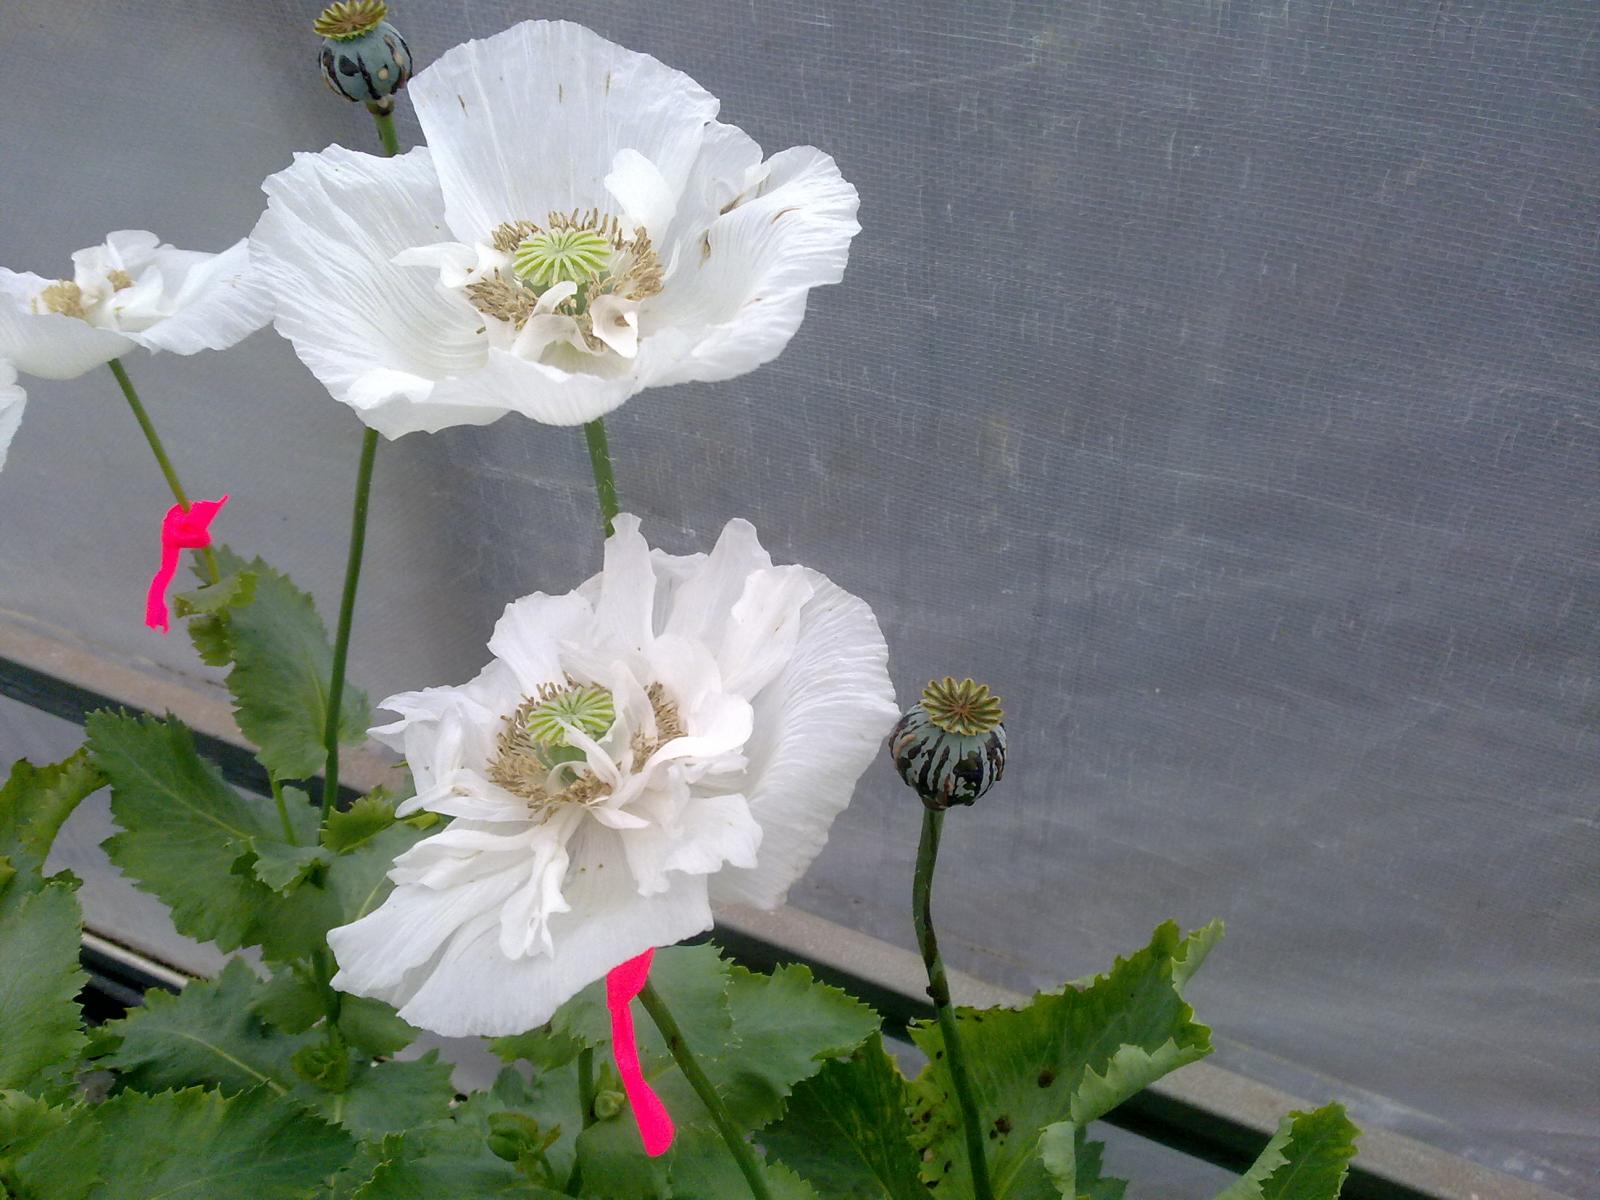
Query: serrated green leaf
x=1043, y=1071
x=40, y=1025
x=34, y=803
x=374, y=1026
x=1307, y=1159
x=1085, y=1163
x=363, y=820
x=184, y=830
x=447, y=1160
x=786, y=1025
x=196, y=1144
x=64, y=1164
x=388, y=1097
x=234, y=589
x=846, y=1130
x=704, y=1169
x=205, y=1034
x=544, y=1048
x=280, y=866
x=289, y=1003
x=283, y=662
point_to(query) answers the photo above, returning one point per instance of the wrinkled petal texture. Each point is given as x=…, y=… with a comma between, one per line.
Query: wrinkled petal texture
x=12, y=401
x=546, y=117
x=779, y=679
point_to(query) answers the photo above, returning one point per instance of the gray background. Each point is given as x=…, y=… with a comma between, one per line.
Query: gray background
x=1215, y=379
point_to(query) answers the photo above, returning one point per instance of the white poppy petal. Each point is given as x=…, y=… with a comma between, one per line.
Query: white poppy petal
x=12, y=401
x=49, y=345
x=616, y=323
x=527, y=638
x=818, y=726
x=626, y=609
x=648, y=201
x=530, y=122
x=369, y=329
x=746, y=291
x=214, y=303
x=407, y=929
x=763, y=628
x=473, y=988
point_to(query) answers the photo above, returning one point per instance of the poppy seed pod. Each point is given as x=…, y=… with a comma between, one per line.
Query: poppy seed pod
x=363, y=57
x=950, y=747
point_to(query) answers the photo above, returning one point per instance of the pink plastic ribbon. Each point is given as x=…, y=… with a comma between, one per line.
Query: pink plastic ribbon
x=622, y=985
x=180, y=530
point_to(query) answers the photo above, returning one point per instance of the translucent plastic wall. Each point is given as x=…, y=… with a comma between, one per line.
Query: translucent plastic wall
x=1218, y=380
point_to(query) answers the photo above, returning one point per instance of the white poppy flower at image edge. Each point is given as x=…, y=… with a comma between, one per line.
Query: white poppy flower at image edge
x=132, y=290
x=12, y=399
x=678, y=731
x=578, y=227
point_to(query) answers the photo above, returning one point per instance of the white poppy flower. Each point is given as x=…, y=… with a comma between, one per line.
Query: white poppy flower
x=677, y=731
x=12, y=399
x=130, y=291
x=422, y=290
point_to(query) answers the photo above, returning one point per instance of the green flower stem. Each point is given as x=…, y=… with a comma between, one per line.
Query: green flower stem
x=160, y=451
x=605, y=483
x=347, y=607
x=939, y=991
x=586, y=1113
x=737, y=1145
x=586, y=1084
x=386, y=133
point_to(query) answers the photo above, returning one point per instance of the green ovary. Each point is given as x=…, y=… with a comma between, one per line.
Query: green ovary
x=574, y=255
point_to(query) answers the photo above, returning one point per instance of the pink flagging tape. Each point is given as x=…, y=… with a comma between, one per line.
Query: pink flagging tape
x=180, y=530
x=622, y=985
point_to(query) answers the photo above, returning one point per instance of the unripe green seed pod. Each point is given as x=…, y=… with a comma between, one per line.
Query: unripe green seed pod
x=951, y=747
x=608, y=1104
x=363, y=57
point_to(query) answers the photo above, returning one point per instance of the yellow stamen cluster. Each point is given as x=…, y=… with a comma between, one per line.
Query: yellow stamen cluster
x=120, y=280
x=64, y=297
x=350, y=19
x=669, y=725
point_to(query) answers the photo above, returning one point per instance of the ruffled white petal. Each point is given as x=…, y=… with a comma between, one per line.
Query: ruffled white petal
x=469, y=986
x=818, y=726
x=213, y=300
x=530, y=122
x=744, y=294
x=379, y=336
x=46, y=344
x=12, y=401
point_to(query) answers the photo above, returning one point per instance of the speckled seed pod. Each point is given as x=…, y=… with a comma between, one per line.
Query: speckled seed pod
x=951, y=747
x=363, y=57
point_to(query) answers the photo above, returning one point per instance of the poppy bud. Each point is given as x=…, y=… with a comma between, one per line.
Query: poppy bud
x=363, y=57
x=950, y=747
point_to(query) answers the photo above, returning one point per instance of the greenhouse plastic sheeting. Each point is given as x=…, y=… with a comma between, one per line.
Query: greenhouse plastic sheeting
x=1217, y=380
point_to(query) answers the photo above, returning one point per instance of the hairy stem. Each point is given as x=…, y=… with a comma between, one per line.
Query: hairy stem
x=736, y=1143
x=605, y=482
x=939, y=991
x=160, y=451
